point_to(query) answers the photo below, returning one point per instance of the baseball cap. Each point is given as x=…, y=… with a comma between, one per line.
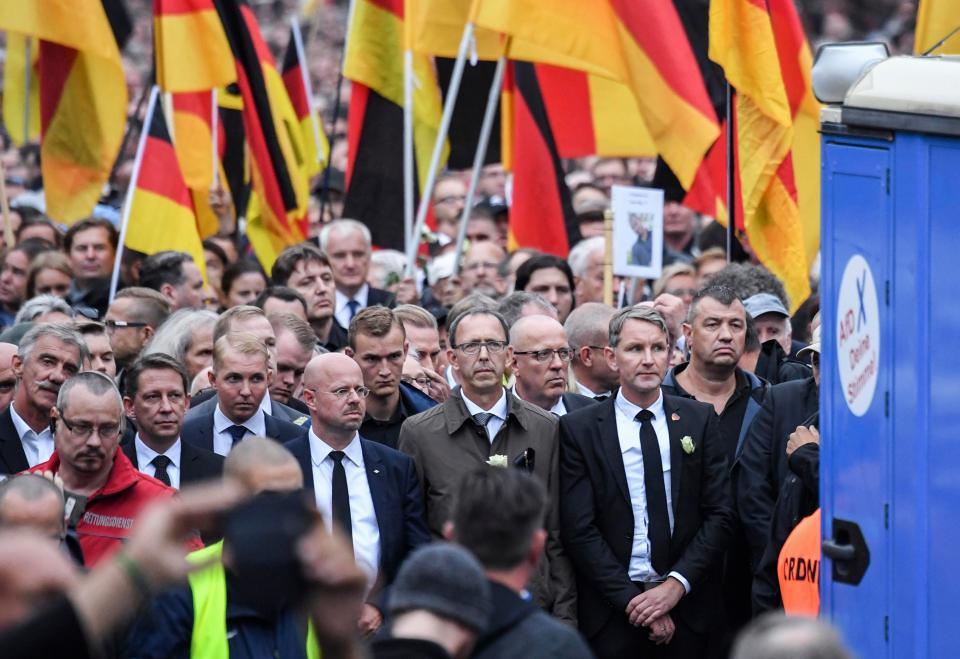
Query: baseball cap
x=761, y=303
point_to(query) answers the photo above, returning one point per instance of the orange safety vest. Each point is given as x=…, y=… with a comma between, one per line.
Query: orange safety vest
x=798, y=568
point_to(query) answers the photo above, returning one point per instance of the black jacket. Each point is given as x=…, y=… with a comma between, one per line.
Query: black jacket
x=199, y=430
x=196, y=464
x=13, y=459
x=574, y=401
x=775, y=366
x=799, y=498
x=596, y=514
x=763, y=460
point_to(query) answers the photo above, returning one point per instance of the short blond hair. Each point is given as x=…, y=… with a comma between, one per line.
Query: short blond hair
x=242, y=343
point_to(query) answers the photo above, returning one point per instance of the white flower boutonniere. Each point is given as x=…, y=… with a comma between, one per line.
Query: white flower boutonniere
x=498, y=461
x=687, y=444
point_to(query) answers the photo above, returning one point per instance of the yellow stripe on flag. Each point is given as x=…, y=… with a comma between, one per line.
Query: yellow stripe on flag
x=158, y=223
x=618, y=126
x=192, y=52
x=935, y=20
x=15, y=103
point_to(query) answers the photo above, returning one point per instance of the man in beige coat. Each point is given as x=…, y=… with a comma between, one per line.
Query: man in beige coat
x=482, y=423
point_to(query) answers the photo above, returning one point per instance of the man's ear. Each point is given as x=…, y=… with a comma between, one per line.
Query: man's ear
x=269, y=376
x=585, y=356
x=167, y=291
x=537, y=544
x=687, y=330
x=348, y=351
x=128, y=407
x=17, y=364
x=448, y=532
x=212, y=377
x=148, y=333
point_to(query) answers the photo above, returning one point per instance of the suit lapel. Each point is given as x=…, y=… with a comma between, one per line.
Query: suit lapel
x=674, y=426
x=609, y=440
x=376, y=473
x=11, y=448
x=130, y=450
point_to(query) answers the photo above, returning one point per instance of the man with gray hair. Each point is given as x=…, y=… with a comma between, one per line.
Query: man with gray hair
x=789, y=637
x=586, y=261
x=29, y=501
x=645, y=505
x=347, y=245
x=520, y=303
x=48, y=356
x=588, y=332
x=104, y=492
x=37, y=308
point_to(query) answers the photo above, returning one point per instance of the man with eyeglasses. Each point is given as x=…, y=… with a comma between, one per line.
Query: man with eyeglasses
x=241, y=376
x=369, y=490
x=481, y=423
x=377, y=341
x=104, y=493
x=541, y=356
x=131, y=320
x=48, y=356
x=479, y=270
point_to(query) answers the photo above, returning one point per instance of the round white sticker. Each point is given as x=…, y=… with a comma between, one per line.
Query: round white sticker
x=858, y=335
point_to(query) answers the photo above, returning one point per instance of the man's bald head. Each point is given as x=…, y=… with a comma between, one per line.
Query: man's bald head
x=32, y=501
x=8, y=379
x=261, y=464
x=530, y=329
x=323, y=368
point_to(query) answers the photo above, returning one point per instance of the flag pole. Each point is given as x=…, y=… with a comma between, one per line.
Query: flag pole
x=449, y=103
x=27, y=79
x=608, y=257
x=485, y=129
x=5, y=209
x=127, y=202
x=307, y=87
x=731, y=175
x=408, y=155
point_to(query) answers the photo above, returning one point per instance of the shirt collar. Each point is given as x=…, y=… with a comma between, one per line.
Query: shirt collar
x=630, y=410
x=319, y=449
x=558, y=408
x=498, y=410
x=145, y=454
x=591, y=394
x=361, y=296
x=23, y=428
x=255, y=424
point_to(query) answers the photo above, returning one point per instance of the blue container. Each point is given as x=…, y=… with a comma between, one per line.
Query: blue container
x=890, y=370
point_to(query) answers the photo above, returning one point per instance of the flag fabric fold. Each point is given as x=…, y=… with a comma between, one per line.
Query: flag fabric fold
x=192, y=52
x=21, y=89
x=161, y=213
x=82, y=92
x=295, y=79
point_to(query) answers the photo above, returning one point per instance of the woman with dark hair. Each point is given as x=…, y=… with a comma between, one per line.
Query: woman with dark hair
x=242, y=282
x=551, y=277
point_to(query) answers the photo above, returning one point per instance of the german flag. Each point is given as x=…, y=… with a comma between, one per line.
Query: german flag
x=21, y=89
x=161, y=213
x=374, y=65
x=191, y=47
x=296, y=81
x=270, y=126
x=541, y=213
x=764, y=55
x=193, y=141
x=83, y=95
x=642, y=45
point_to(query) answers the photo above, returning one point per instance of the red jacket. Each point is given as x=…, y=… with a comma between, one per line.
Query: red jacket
x=112, y=510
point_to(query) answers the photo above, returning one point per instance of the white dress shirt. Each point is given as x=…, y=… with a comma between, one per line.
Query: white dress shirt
x=590, y=394
x=37, y=446
x=340, y=303
x=223, y=440
x=558, y=408
x=628, y=433
x=145, y=456
x=499, y=412
x=363, y=516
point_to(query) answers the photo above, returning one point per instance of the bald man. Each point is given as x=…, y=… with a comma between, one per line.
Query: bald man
x=8, y=379
x=369, y=490
x=260, y=464
x=541, y=357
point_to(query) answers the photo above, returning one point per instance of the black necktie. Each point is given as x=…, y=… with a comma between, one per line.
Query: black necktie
x=160, y=464
x=237, y=432
x=658, y=528
x=340, y=502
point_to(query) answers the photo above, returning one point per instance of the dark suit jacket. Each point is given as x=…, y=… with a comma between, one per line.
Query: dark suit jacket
x=196, y=464
x=199, y=430
x=574, y=401
x=379, y=296
x=13, y=459
x=763, y=462
x=596, y=515
x=397, y=501
x=204, y=402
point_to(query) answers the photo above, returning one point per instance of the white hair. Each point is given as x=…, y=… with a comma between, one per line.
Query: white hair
x=344, y=225
x=41, y=304
x=581, y=252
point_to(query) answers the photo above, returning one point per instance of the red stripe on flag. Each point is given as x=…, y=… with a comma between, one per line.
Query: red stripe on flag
x=196, y=103
x=393, y=6
x=173, y=7
x=293, y=81
x=56, y=63
x=160, y=173
x=355, y=113
x=566, y=94
x=790, y=40
x=657, y=29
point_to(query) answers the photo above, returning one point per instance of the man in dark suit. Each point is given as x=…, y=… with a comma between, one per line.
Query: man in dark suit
x=49, y=354
x=370, y=490
x=241, y=376
x=155, y=395
x=347, y=244
x=645, y=504
x=541, y=357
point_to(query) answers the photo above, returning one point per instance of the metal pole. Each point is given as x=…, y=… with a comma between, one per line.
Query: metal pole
x=485, y=129
x=127, y=203
x=608, y=257
x=448, y=105
x=731, y=176
x=408, y=155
